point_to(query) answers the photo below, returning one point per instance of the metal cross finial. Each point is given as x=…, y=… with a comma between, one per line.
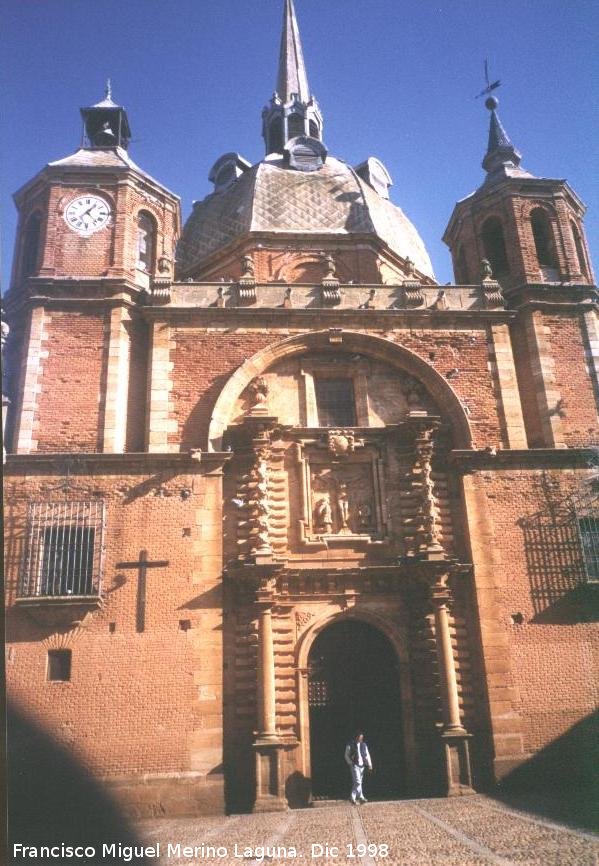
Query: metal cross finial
x=490, y=86
x=108, y=89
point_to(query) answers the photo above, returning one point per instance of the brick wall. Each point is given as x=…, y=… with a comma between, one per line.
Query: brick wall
x=69, y=416
x=578, y=409
x=134, y=698
x=546, y=615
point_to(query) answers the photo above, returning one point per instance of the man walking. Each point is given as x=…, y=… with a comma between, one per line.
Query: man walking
x=357, y=757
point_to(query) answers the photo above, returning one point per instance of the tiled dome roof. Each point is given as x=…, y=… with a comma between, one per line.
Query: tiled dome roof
x=272, y=197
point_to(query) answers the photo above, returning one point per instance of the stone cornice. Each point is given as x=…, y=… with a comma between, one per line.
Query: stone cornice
x=119, y=464
x=554, y=297
x=532, y=458
x=369, y=317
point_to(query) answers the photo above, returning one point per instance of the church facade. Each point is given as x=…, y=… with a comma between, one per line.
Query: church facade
x=267, y=482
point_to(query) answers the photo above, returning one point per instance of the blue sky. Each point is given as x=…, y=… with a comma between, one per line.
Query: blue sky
x=395, y=80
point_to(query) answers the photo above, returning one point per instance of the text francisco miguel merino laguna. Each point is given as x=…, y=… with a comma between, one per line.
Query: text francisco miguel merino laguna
x=115, y=851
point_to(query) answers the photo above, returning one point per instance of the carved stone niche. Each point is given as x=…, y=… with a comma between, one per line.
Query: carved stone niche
x=342, y=495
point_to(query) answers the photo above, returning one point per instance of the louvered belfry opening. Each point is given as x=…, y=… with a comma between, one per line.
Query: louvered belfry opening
x=63, y=551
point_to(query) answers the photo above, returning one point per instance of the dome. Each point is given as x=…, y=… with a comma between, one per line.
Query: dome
x=272, y=197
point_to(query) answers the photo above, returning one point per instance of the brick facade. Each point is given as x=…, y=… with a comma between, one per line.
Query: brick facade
x=189, y=404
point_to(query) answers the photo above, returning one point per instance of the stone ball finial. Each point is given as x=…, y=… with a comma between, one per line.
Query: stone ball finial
x=247, y=266
x=329, y=263
x=486, y=271
x=491, y=102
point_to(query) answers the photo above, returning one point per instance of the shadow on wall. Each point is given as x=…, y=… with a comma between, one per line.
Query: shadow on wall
x=560, y=782
x=555, y=564
x=53, y=800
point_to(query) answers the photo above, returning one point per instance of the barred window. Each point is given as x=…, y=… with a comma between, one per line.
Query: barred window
x=589, y=538
x=63, y=553
x=336, y=402
x=586, y=511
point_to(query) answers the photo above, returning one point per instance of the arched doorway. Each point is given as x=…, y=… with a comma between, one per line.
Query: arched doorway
x=353, y=683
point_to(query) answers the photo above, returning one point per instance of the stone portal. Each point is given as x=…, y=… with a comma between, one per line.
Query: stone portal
x=353, y=683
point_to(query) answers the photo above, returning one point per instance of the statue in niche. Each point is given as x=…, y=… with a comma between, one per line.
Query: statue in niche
x=258, y=393
x=343, y=505
x=323, y=516
x=365, y=515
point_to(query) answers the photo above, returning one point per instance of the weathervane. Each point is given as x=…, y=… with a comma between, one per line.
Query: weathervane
x=490, y=86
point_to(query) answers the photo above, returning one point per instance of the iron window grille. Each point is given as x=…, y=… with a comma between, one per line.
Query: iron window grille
x=64, y=550
x=586, y=511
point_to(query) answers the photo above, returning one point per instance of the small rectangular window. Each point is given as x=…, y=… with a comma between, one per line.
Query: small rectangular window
x=335, y=401
x=59, y=665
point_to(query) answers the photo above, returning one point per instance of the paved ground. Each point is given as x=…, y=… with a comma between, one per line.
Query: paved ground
x=469, y=831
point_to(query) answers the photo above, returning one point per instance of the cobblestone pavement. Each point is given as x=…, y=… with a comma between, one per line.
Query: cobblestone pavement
x=470, y=831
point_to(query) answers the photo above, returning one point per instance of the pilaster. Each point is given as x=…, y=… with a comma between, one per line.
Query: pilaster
x=160, y=423
x=591, y=332
x=547, y=394
x=268, y=746
x=504, y=716
x=507, y=387
x=30, y=383
x=117, y=383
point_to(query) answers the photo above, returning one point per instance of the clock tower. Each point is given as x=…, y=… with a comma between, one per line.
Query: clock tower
x=96, y=237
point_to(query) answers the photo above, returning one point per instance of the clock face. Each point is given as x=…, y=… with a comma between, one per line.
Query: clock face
x=87, y=214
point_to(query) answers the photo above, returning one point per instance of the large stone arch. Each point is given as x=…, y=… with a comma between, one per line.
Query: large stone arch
x=397, y=637
x=349, y=341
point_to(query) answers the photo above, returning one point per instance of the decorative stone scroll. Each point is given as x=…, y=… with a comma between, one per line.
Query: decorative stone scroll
x=412, y=286
x=330, y=292
x=160, y=292
x=246, y=285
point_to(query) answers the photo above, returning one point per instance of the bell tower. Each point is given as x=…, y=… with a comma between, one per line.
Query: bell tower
x=96, y=214
x=527, y=233
x=530, y=229
x=95, y=243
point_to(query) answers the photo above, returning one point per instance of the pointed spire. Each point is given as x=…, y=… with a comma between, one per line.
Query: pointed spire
x=292, y=77
x=292, y=110
x=500, y=150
